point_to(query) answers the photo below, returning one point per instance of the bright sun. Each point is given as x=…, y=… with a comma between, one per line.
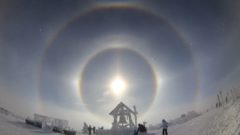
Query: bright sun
x=118, y=85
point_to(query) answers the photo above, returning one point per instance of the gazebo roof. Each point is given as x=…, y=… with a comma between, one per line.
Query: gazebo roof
x=115, y=110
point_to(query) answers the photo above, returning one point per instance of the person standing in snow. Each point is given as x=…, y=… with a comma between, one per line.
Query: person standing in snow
x=89, y=130
x=94, y=130
x=164, y=126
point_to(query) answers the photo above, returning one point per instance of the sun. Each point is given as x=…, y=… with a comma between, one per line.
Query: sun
x=118, y=86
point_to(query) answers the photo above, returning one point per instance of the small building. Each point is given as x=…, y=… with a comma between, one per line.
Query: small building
x=123, y=117
x=47, y=122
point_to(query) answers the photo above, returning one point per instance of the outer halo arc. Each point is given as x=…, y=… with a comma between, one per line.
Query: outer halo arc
x=92, y=9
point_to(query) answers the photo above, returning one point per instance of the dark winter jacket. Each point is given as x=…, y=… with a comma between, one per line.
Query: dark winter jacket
x=142, y=128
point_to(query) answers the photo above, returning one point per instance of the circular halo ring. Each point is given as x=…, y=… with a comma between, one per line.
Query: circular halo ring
x=96, y=53
x=95, y=8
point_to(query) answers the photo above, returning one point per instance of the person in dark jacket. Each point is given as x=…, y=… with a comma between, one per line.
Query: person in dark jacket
x=94, y=130
x=89, y=130
x=142, y=130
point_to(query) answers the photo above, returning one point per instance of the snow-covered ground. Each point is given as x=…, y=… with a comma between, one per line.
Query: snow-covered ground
x=10, y=125
x=221, y=121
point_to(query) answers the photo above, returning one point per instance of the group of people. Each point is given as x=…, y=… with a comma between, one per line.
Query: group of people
x=91, y=129
x=142, y=130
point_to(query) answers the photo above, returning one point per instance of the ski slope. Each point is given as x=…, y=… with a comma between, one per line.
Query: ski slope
x=219, y=121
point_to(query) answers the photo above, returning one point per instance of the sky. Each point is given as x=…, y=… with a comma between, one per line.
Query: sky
x=61, y=58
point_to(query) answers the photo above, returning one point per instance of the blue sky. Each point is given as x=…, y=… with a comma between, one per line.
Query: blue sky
x=61, y=56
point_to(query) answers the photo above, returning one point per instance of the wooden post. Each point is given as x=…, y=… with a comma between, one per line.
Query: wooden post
x=135, y=115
